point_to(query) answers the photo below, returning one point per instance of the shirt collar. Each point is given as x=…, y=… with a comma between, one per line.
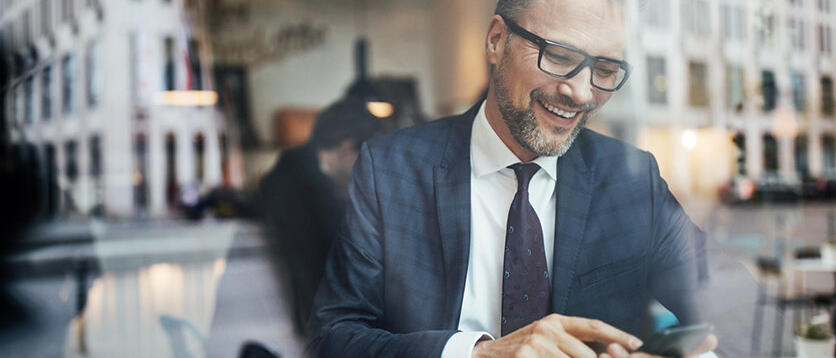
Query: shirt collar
x=489, y=154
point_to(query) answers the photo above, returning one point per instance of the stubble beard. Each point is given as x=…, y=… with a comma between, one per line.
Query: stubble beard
x=522, y=123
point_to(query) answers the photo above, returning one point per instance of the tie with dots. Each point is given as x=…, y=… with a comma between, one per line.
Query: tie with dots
x=525, y=281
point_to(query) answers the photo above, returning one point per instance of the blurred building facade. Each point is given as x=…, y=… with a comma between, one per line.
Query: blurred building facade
x=706, y=71
x=84, y=82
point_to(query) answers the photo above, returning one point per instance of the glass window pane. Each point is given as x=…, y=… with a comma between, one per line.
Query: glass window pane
x=46, y=93
x=698, y=84
x=68, y=73
x=770, y=153
x=734, y=87
x=769, y=90
x=657, y=82
x=798, y=93
x=827, y=96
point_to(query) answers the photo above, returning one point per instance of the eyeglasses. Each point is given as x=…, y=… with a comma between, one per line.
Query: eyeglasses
x=564, y=61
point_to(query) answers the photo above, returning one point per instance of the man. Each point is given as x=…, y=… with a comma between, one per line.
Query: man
x=303, y=196
x=512, y=231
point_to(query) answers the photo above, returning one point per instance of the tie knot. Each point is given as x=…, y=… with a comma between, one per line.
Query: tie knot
x=524, y=172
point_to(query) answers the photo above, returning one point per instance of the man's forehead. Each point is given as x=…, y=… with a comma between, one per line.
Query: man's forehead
x=596, y=26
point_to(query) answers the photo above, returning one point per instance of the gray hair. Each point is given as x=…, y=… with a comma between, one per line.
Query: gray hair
x=511, y=8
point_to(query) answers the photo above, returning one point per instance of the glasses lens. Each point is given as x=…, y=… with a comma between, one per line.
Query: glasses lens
x=559, y=60
x=608, y=74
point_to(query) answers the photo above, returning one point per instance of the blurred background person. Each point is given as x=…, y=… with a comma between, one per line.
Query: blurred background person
x=301, y=199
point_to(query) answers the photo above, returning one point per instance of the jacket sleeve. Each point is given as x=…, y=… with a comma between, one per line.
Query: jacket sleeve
x=349, y=307
x=678, y=259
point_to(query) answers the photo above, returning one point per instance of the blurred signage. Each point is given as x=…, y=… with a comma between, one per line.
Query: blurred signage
x=270, y=45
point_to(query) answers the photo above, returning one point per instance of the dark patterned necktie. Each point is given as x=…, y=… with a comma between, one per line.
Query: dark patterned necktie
x=525, y=280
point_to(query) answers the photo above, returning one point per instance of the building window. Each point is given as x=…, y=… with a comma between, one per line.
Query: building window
x=796, y=32
x=71, y=163
x=802, y=169
x=96, y=157
x=657, y=14
x=171, y=187
x=827, y=96
x=828, y=148
x=27, y=27
x=93, y=75
x=27, y=100
x=734, y=88
x=825, y=44
x=46, y=92
x=824, y=6
x=732, y=23
x=169, y=71
x=140, y=183
x=196, y=73
x=769, y=91
x=657, y=82
x=46, y=17
x=68, y=77
x=200, y=157
x=51, y=175
x=697, y=84
x=770, y=153
x=67, y=10
x=798, y=94
x=696, y=17
x=225, y=171
x=766, y=31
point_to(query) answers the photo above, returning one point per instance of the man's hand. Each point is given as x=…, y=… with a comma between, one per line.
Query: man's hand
x=558, y=336
x=707, y=345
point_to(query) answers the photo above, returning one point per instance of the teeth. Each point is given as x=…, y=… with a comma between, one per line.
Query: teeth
x=558, y=111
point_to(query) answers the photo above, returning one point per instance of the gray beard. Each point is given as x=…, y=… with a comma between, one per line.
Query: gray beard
x=523, y=123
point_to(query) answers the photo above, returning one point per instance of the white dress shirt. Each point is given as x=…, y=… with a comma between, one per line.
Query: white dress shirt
x=492, y=189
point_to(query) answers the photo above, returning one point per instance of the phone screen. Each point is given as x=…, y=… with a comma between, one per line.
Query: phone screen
x=677, y=341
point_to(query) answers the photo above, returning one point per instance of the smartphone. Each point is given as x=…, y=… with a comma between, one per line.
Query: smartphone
x=676, y=341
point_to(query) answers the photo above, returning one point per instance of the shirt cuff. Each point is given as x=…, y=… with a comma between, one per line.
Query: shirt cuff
x=708, y=355
x=461, y=344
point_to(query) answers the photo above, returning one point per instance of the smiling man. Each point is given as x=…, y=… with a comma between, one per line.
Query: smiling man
x=511, y=230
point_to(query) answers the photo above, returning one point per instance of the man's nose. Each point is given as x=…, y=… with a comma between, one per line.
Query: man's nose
x=579, y=87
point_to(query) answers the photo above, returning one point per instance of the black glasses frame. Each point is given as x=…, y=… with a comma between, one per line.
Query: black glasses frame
x=588, y=61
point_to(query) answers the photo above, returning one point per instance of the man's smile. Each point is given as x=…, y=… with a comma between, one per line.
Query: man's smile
x=558, y=117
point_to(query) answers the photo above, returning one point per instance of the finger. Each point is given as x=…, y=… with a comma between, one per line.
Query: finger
x=617, y=351
x=604, y=355
x=595, y=330
x=573, y=346
x=708, y=344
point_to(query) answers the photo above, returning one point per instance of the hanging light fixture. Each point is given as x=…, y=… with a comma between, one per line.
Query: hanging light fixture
x=362, y=88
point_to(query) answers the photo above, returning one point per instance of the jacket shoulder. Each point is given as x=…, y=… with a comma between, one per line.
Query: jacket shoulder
x=612, y=157
x=425, y=142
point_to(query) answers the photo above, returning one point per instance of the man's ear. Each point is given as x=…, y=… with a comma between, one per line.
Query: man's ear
x=495, y=41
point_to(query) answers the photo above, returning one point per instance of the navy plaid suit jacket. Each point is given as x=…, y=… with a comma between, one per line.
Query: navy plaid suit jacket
x=394, y=280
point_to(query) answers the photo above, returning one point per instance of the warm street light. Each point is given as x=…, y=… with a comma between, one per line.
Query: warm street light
x=187, y=98
x=689, y=139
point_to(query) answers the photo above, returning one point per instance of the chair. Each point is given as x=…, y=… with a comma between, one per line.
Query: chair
x=788, y=294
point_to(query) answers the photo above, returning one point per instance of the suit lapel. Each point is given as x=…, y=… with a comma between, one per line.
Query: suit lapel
x=574, y=193
x=452, y=194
